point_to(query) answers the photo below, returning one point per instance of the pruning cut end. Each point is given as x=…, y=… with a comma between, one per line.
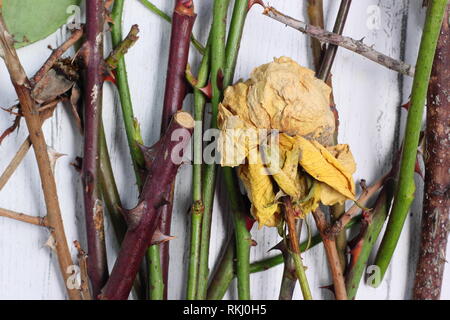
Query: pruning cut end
x=184, y=119
x=185, y=7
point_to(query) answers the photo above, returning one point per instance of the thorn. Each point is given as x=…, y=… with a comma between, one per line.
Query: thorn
x=10, y=129
x=108, y=4
x=363, y=185
x=279, y=246
x=253, y=2
x=406, y=105
x=253, y=243
x=110, y=76
x=108, y=19
x=159, y=237
x=220, y=79
x=249, y=222
x=77, y=245
x=54, y=156
x=77, y=164
x=418, y=169
x=329, y=287
x=51, y=242
x=207, y=90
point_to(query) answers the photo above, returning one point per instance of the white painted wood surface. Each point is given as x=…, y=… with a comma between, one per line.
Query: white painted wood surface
x=367, y=95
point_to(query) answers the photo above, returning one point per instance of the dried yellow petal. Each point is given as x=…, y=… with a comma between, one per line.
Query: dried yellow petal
x=260, y=191
x=322, y=166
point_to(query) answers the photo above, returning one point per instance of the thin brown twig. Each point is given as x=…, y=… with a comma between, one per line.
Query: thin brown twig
x=368, y=192
x=330, y=53
x=56, y=54
x=29, y=109
x=38, y=221
x=45, y=112
x=12, y=166
x=348, y=43
x=315, y=15
x=329, y=244
x=82, y=263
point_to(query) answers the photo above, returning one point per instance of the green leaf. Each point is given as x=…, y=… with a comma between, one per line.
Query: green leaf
x=32, y=20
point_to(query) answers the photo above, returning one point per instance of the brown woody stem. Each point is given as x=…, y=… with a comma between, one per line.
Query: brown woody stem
x=38, y=221
x=329, y=244
x=436, y=205
x=33, y=120
x=356, y=46
x=56, y=54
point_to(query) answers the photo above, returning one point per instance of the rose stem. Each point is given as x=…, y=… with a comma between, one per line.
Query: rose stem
x=435, y=216
x=404, y=193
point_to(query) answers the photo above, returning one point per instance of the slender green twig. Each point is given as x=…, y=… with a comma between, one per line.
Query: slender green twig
x=197, y=207
x=200, y=48
x=242, y=235
x=131, y=127
x=133, y=132
x=405, y=188
x=218, y=31
x=224, y=274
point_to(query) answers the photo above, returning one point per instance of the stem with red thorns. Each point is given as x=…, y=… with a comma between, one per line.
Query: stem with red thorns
x=404, y=193
x=143, y=219
x=176, y=89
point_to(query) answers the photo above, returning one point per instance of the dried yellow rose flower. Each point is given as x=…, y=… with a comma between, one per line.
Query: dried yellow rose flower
x=302, y=164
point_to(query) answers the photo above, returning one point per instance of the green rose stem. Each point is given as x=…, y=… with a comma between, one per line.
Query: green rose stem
x=371, y=226
x=404, y=193
x=217, y=34
x=242, y=236
x=200, y=48
x=197, y=207
x=294, y=249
